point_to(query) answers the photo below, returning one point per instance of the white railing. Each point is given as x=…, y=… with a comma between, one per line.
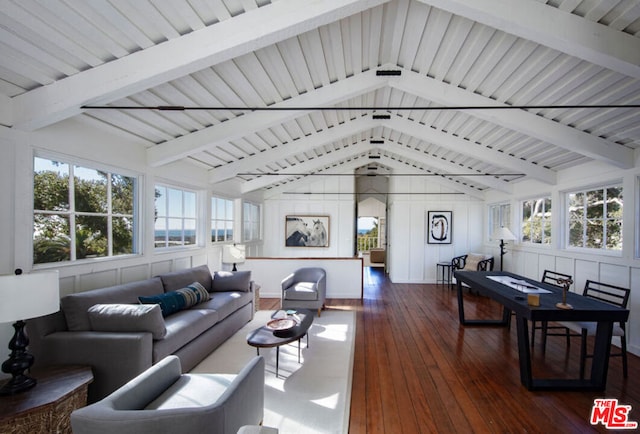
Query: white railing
x=366, y=243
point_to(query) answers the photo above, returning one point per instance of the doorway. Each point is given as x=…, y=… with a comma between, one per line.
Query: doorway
x=371, y=216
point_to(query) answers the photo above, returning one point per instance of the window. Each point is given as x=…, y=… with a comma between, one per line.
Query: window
x=536, y=221
x=251, y=221
x=499, y=215
x=595, y=218
x=176, y=221
x=221, y=219
x=80, y=212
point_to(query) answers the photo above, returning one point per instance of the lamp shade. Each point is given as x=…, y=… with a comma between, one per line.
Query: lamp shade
x=28, y=296
x=233, y=254
x=503, y=234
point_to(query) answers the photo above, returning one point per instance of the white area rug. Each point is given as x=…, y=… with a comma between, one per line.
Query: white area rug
x=311, y=397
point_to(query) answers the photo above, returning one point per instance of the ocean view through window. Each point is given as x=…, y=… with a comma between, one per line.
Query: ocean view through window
x=175, y=217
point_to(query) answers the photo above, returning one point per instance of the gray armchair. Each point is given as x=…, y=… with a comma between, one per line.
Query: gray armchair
x=305, y=288
x=162, y=400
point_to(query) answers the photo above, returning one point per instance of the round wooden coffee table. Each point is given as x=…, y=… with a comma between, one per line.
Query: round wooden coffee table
x=266, y=337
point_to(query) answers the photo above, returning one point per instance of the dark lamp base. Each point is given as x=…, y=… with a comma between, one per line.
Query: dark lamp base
x=18, y=363
x=17, y=384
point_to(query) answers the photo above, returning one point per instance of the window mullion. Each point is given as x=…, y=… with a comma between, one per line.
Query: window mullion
x=72, y=213
x=109, y=217
x=604, y=219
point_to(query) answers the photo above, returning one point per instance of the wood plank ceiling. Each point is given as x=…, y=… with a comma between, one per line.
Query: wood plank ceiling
x=309, y=69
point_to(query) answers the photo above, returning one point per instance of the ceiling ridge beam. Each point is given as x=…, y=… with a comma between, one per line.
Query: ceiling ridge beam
x=552, y=27
x=465, y=147
x=241, y=126
x=308, y=166
x=285, y=150
x=407, y=168
x=440, y=164
x=178, y=57
x=389, y=163
x=342, y=168
x=522, y=121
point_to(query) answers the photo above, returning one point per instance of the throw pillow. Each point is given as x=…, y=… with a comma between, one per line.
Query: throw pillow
x=174, y=301
x=471, y=263
x=231, y=281
x=200, y=291
x=170, y=302
x=127, y=318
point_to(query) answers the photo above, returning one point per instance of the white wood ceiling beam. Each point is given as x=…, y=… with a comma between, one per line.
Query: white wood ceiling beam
x=309, y=166
x=235, y=128
x=518, y=120
x=178, y=57
x=596, y=43
x=401, y=167
x=350, y=166
x=347, y=168
x=445, y=167
x=6, y=115
x=287, y=149
x=465, y=147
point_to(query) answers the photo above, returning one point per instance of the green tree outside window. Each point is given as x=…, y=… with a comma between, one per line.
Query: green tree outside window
x=536, y=221
x=80, y=212
x=595, y=218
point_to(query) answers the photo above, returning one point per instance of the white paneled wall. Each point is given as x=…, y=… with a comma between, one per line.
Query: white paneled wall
x=339, y=207
x=411, y=258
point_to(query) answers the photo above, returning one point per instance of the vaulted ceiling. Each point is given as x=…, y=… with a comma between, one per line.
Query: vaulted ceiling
x=485, y=93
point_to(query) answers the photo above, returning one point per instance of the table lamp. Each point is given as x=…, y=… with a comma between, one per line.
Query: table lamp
x=25, y=296
x=233, y=254
x=503, y=234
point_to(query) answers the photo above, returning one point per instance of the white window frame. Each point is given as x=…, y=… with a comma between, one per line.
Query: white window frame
x=251, y=218
x=222, y=219
x=567, y=222
x=503, y=220
x=182, y=217
x=72, y=213
x=545, y=220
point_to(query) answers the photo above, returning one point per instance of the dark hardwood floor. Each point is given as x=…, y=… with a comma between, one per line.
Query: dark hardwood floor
x=416, y=370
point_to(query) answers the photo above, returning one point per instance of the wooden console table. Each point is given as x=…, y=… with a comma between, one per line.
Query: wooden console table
x=47, y=407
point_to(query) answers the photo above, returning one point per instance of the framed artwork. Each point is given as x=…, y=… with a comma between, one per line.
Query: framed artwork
x=306, y=231
x=439, y=227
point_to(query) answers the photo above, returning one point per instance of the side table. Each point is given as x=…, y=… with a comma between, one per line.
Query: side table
x=443, y=269
x=47, y=407
x=256, y=297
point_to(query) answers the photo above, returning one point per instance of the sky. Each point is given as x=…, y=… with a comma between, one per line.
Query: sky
x=366, y=223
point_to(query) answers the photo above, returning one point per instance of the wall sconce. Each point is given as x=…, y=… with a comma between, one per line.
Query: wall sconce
x=25, y=296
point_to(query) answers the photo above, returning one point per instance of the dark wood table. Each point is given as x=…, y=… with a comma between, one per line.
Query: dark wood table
x=46, y=408
x=265, y=337
x=512, y=300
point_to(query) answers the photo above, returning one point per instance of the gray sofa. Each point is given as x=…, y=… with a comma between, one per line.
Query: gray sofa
x=110, y=331
x=162, y=400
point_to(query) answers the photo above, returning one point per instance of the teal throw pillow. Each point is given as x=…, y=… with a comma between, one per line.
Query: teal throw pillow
x=170, y=302
x=174, y=301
